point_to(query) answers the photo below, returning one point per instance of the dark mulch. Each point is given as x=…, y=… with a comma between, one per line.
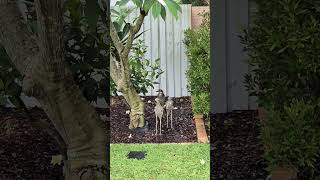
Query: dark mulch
x=184, y=128
x=236, y=151
x=25, y=150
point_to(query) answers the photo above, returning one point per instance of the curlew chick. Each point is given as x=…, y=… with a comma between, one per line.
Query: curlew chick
x=169, y=107
x=161, y=97
x=158, y=110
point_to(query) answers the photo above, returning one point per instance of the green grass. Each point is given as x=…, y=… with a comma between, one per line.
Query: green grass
x=163, y=162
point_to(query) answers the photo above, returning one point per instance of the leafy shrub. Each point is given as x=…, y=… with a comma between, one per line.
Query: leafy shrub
x=87, y=57
x=282, y=43
x=143, y=73
x=292, y=136
x=284, y=49
x=195, y=2
x=85, y=54
x=201, y=103
x=10, y=81
x=198, y=74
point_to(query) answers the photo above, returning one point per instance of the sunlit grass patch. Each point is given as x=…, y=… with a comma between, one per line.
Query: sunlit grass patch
x=163, y=161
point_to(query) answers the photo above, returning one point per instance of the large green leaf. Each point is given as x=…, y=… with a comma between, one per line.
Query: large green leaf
x=163, y=12
x=122, y=2
x=92, y=11
x=148, y=4
x=156, y=9
x=1, y=84
x=3, y=99
x=15, y=101
x=138, y=3
x=173, y=7
x=126, y=29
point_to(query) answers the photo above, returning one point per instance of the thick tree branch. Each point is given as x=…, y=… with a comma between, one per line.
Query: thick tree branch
x=115, y=70
x=132, y=33
x=16, y=38
x=115, y=38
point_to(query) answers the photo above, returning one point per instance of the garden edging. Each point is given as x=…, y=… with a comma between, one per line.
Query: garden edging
x=201, y=130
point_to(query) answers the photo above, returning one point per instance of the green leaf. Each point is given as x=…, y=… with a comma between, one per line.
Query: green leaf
x=282, y=50
x=138, y=3
x=148, y=4
x=122, y=2
x=56, y=159
x=1, y=84
x=163, y=12
x=92, y=10
x=15, y=101
x=3, y=99
x=173, y=7
x=156, y=9
x=117, y=26
x=126, y=29
x=115, y=12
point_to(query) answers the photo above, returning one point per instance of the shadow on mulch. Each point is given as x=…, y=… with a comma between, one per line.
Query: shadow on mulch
x=26, y=151
x=236, y=151
x=184, y=127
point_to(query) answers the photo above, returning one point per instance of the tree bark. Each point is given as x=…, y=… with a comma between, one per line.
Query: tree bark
x=41, y=61
x=121, y=73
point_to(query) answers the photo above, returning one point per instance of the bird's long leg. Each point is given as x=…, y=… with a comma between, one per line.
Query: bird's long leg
x=160, y=124
x=156, y=124
x=167, y=118
x=171, y=117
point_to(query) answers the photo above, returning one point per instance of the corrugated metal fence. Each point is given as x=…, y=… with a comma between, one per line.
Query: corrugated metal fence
x=228, y=61
x=164, y=40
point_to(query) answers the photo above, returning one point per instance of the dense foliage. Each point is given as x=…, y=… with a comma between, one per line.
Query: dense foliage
x=86, y=51
x=143, y=73
x=85, y=44
x=283, y=46
x=282, y=43
x=198, y=73
x=10, y=80
x=292, y=136
x=195, y=2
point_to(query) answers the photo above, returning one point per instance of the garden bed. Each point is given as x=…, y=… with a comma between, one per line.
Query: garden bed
x=25, y=151
x=184, y=127
x=239, y=154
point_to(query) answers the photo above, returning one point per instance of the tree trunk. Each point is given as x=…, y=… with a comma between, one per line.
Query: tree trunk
x=120, y=74
x=47, y=77
x=137, y=107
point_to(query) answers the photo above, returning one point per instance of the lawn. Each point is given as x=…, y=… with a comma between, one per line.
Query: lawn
x=162, y=162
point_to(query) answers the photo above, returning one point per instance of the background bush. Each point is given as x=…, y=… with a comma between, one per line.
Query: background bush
x=85, y=46
x=292, y=136
x=10, y=80
x=198, y=74
x=283, y=46
x=195, y=2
